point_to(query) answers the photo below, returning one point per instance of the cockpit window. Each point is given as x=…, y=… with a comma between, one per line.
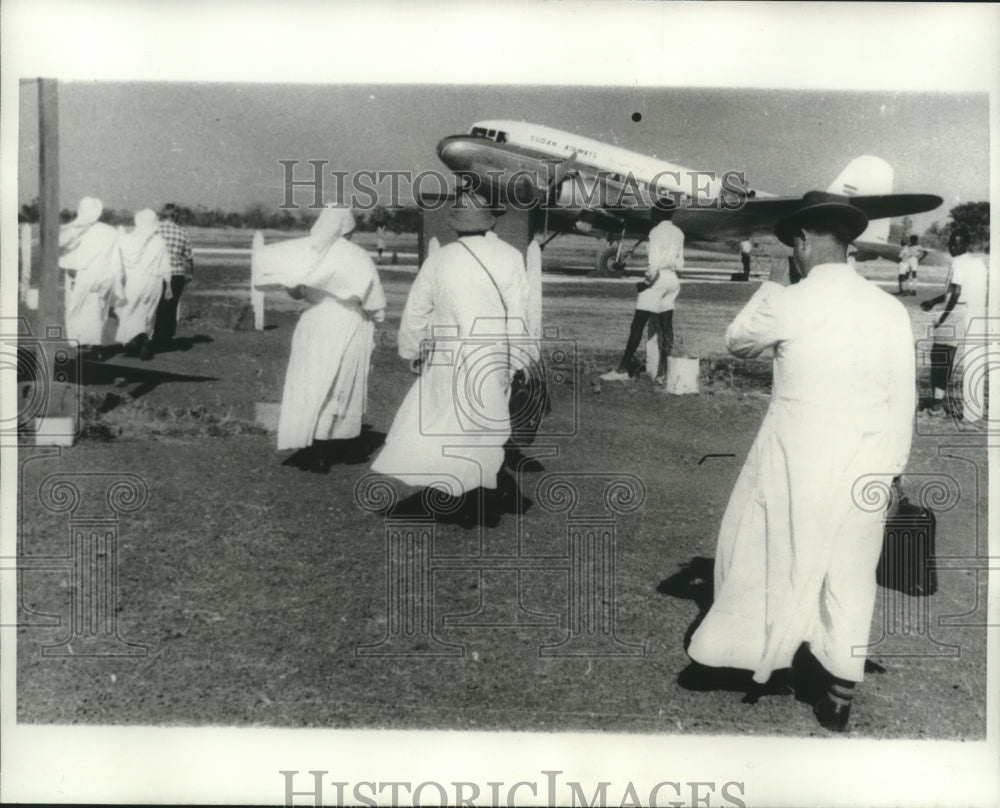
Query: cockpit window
x=492, y=134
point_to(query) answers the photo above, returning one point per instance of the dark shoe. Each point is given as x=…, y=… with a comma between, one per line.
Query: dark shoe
x=507, y=497
x=831, y=715
x=808, y=679
x=778, y=685
x=411, y=507
x=472, y=511
x=301, y=460
x=703, y=678
x=354, y=452
x=328, y=453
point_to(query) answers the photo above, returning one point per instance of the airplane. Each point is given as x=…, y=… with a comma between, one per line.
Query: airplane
x=575, y=184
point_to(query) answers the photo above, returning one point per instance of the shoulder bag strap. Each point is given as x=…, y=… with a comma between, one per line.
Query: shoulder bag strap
x=488, y=275
x=499, y=293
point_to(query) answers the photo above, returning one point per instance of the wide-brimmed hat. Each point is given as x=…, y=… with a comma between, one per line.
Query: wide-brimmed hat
x=472, y=214
x=822, y=206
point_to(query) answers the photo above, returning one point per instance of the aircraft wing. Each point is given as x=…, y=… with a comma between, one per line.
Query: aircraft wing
x=758, y=216
x=868, y=250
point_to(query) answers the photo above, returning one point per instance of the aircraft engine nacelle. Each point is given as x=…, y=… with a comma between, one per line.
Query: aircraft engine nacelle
x=516, y=188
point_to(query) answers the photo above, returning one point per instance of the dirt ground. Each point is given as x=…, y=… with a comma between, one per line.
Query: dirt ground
x=250, y=586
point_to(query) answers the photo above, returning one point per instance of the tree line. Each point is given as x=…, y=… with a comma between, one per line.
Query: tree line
x=253, y=217
x=974, y=215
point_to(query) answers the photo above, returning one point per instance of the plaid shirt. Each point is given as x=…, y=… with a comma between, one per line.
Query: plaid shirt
x=181, y=258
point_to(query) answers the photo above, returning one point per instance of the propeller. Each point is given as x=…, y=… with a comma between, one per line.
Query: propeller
x=563, y=169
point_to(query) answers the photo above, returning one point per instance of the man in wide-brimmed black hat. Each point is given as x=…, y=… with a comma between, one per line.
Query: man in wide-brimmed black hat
x=801, y=537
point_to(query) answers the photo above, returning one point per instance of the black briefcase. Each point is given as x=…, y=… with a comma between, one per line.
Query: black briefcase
x=528, y=403
x=907, y=562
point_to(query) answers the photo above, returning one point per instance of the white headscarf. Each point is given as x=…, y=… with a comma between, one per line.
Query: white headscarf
x=340, y=268
x=90, y=249
x=87, y=213
x=333, y=223
x=144, y=248
x=325, y=261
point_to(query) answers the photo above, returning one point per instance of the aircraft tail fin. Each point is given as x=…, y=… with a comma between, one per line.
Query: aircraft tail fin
x=877, y=232
x=866, y=176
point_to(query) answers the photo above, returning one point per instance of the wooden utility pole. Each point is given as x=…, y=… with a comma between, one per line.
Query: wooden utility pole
x=50, y=305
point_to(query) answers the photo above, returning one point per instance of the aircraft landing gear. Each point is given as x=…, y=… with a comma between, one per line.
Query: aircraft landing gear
x=611, y=262
x=608, y=263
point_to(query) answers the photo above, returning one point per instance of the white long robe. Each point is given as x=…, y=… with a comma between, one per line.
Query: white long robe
x=147, y=267
x=797, y=551
x=93, y=278
x=326, y=384
x=451, y=427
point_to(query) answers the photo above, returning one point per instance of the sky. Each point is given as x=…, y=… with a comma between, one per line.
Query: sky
x=139, y=144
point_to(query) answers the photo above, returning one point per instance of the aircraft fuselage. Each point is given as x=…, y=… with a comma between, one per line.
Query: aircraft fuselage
x=582, y=183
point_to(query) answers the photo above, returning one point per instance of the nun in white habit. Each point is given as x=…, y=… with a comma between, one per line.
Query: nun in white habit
x=326, y=384
x=93, y=267
x=147, y=275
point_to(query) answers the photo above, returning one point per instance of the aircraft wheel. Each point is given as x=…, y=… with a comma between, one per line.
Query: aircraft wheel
x=607, y=266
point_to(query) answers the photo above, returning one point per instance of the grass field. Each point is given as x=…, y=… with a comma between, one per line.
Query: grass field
x=252, y=584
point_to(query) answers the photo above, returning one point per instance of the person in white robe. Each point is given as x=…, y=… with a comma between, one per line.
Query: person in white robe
x=94, y=281
x=799, y=543
x=468, y=301
x=326, y=384
x=147, y=278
